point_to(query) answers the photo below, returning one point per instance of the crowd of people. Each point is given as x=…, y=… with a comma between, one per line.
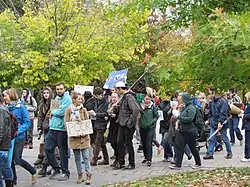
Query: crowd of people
x=185, y=122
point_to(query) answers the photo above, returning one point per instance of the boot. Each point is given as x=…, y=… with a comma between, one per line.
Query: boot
x=39, y=160
x=79, y=179
x=43, y=171
x=104, y=162
x=9, y=183
x=88, y=179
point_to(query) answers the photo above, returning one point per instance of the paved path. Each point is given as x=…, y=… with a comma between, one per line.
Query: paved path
x=105, y=175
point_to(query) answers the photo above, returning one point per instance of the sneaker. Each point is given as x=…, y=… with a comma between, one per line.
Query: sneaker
x=218, y=148
x=245, y=160
x=173, y=162
x=129, y=167
x=196, y=166
x=208, y=157
x=34, y=178
x=149, y=163
x=165, y=160
x=64, y=177
x=170, y=159
x=190, y=157
x=174, y=167
x=30, y=146
x=241, y=142
x=144, y=161
x=55, y=175
x=104, y=162
x=118, y=166
x=229, y=156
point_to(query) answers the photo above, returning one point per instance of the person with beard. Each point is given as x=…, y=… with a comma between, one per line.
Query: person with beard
x=43, y=127
x=31, y=105
x=100, y=119
x=57, y=135
x=21, y=113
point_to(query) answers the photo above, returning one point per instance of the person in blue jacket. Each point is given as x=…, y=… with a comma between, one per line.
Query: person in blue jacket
x=18, y=109
x=246, y=127
x=57, y=135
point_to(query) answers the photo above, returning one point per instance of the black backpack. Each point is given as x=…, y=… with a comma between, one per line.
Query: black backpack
x=199, y=120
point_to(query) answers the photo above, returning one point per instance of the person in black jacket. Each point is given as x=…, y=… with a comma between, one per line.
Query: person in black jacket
x=246, y=127
x=5, y=139
x=100, y=119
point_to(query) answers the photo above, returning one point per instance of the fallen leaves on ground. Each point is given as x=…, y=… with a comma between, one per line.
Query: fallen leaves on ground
x=224, y=177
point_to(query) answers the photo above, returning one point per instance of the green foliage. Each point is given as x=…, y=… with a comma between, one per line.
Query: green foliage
x=220, y=54
x=67, y=41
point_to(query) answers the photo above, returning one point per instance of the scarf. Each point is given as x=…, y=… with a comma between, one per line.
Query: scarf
x=75, y=112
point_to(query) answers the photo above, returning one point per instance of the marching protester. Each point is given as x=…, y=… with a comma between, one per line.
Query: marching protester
x=79, y=144
x=246, y=127
x=100, y=121
x=147, y=125
x=5, y=143
x=186, y=133
x=31, y=105
x=129, y=110
x=113, y=127
x=57, y=135
x=21, y=113
x=233, y=122
x=218, y=112
x=43, y=128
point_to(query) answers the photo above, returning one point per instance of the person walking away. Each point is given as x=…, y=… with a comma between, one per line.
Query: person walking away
x=233, y=122
x=129, y=110
x=113, y=127
x=186, y=133
x=19, y=110
x=246, y=127
x=31, y=105
x=43, y=128
x=147, y=128
x=5, y=143
x=100, y=125
x=57, y=135
x=218, y=112
x=80, y=144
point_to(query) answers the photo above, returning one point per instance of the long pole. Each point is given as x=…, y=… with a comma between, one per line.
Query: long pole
x=111, y=108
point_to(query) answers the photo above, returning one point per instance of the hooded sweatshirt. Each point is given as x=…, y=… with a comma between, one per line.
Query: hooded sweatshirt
x=44, y=111
x=187, y=114
x=30, y=103
x=57, y=120
x=21, y=113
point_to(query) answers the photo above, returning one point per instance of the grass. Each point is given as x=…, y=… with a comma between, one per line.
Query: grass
x=224, y=177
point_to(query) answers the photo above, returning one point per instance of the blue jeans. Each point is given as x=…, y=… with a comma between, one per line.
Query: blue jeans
x=57, y=139
x=233, y=127
x=78, y=160
x=5, y=169
x=213, y=141
x=168, y=152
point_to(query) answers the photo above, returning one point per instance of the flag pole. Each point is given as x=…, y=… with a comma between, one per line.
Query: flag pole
x=111, y=108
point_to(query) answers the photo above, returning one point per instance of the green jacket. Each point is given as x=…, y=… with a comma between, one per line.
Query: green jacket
x=149, y=117
x=187, y=114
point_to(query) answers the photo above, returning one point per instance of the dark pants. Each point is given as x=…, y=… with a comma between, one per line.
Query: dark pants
x=147, y=136
x=57, y=139
x=247, y=144
x=189, y=138
x=18, y=160
x=115, y=148
x=125, y=137
x=29, y=135
x=233, y=127
x=100, y=144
